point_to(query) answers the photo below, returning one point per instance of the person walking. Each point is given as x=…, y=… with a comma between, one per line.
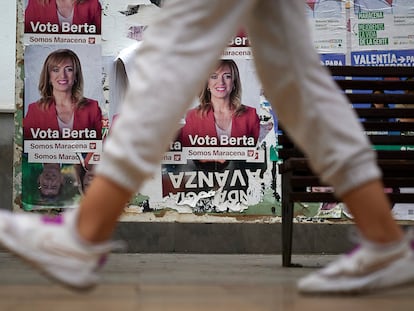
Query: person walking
x=179, y=50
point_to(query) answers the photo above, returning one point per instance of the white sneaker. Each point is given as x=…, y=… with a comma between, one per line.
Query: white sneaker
x=51, y=245
x=369, y=267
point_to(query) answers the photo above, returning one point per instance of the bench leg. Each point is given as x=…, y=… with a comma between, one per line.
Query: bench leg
x=287, y=232
x=287, y=220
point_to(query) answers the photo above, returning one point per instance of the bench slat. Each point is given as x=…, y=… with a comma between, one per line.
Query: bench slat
x=359, y=84
x=371, y=71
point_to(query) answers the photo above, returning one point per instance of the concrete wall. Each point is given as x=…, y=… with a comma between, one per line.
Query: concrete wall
x=6, y=159
x=7, y=54
x=7, y=100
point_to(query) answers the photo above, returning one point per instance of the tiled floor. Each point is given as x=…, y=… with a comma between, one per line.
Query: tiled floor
x=187, y=282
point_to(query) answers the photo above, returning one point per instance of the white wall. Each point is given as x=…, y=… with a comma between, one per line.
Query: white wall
x=7, y=55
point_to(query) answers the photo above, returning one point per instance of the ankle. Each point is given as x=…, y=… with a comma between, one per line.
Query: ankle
x=383, y=237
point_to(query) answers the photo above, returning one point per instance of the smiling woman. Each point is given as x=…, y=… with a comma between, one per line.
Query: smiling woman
x=62, y=106
x=220, y=113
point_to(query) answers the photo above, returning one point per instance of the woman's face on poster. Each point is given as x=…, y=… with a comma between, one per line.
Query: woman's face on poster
x=220, y=82
x=50, y=180
x=62, y=76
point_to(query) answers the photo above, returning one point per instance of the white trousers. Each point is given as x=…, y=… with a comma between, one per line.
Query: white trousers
x=183, y=45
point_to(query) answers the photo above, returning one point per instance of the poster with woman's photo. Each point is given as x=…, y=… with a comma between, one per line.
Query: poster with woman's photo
x=219, y=161
x=63, y=119
x=62, y=22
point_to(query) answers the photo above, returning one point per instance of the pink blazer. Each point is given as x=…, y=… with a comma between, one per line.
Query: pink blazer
x=86, y=12
x=89, y=116
x=247, y=124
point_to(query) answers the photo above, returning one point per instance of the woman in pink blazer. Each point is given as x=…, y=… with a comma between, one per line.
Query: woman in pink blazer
x=62, y=112
x=221, y=119
x=84, y=14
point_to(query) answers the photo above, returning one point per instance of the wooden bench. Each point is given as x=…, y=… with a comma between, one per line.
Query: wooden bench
x=390, y=138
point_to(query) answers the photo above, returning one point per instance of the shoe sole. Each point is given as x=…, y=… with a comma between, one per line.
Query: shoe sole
x=46, y=273
x=406, y=277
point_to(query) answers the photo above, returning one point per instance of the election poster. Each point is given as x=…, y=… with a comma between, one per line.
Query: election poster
x=382, y=32
x=62, y=123
x=238, y=47
x=53, y=22
x=220, y=160
x=64, y=113
x=327, y=22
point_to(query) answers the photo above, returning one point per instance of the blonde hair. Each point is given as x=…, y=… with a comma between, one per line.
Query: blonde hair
x=235, y=95
x=45, y=87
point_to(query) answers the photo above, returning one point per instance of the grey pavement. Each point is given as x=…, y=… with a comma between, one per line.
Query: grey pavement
x=188, y=282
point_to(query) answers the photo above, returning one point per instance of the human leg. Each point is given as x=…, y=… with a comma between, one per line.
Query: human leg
x=111, y=199
x=320, y=120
